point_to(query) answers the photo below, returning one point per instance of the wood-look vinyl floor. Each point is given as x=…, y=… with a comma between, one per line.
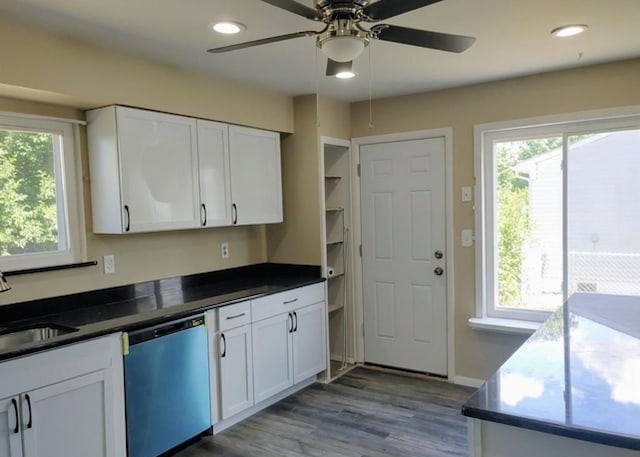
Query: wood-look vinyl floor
x=365, y=413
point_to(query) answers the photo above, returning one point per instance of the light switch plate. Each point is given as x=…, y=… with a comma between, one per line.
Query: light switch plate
x=467, y=238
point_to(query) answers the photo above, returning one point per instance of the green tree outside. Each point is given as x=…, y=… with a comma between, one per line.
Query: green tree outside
x=28, y=194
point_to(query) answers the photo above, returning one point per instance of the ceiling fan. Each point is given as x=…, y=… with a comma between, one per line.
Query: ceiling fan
x=343, y=38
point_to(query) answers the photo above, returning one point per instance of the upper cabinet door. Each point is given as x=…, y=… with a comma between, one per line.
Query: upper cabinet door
x=159, y=170
x=215, y=185
x=256, y=189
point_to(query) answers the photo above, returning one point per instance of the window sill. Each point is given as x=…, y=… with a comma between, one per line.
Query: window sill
x=509, y=326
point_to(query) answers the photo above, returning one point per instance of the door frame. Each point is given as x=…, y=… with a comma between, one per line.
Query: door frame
x=447, y=134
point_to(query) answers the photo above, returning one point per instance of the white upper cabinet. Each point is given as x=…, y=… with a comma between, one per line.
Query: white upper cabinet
x=144, y=170
x=153, y=171
x=214, y=174
x=256, y=188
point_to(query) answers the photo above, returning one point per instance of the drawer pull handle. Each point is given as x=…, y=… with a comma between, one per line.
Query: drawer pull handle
x=290, y=322
x=288, y=302
x=15, y=408
x=295, y=315
x=235, y=316
x=224, y=343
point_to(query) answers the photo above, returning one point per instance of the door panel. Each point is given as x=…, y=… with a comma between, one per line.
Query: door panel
x=236, y=371
x=309, y=346
x=272, y=356
x=403, y=224
x=159, y=167
x=10, y=439
x=68, y=419
x=215, y=179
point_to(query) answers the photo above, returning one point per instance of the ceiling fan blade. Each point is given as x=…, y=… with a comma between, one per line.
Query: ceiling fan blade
x=333, y=67
x=296, y=8
x=384, y=9
x=249, y=44
x=422, y=38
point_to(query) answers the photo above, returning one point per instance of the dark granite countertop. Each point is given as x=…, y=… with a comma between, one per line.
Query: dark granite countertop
x=135, y=306
x=577, y=376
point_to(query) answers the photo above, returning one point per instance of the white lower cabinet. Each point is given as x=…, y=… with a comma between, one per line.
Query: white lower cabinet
x=236, y=371
x=272, y=356
x=67, y=402
x=290, y=346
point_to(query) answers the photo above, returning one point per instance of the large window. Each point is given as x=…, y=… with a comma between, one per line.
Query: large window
x=558, y=212
x=39, y=206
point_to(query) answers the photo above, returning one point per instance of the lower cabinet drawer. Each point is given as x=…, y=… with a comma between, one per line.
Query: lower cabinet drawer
x=235, y=315
x=283, y=302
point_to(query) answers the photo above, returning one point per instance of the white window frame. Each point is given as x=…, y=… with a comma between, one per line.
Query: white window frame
x=68, y=175
x=488, y=317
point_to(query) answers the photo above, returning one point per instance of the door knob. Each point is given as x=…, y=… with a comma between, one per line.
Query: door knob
x=438, y=271
x=438, y=254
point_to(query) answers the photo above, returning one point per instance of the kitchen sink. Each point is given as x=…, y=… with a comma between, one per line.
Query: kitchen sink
x=14, y=337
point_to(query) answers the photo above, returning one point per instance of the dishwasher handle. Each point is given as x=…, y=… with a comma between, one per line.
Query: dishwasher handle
x=158, y=331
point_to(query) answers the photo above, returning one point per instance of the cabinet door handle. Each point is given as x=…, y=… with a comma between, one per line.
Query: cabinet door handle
x=224, y=342
x=295, y=329
x=234, y=217
x=203, y=216
x=30, y=423
x=235, y=316
x=288, y=302
x=128, y=225
x=290, y=322
x=14, y=402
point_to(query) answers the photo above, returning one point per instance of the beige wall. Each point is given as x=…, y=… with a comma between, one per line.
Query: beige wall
x=88, y=76
x=298, y=239
x=478, y=354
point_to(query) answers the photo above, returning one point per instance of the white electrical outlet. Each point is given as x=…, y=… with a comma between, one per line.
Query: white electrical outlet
x=109, y=263
x=224, y=250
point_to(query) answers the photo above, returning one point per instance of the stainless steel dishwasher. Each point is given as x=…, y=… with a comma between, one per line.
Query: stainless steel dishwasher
x=166, y=386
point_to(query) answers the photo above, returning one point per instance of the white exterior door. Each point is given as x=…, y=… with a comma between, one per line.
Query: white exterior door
x=309, y=345
x=256, y=186
x=403, y=234
x=159, y=168
x=215, y=179
x=272, y=356
x=236, y=371
x=73, y=418
x=10, y=428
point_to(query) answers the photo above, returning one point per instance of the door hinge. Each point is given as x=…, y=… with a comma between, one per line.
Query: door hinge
x=358, y=170
x=360, y=250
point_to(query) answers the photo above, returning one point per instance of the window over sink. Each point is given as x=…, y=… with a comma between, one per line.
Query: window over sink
x=40, y=200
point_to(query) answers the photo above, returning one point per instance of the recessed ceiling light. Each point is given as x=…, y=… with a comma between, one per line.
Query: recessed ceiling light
x=569, y=30
x=345, y=75
x=227, y=27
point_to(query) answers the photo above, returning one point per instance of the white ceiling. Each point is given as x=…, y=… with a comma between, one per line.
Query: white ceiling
x=512, y=39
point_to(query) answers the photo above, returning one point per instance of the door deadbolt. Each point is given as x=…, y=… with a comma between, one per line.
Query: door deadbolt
x=438, y=254
x=438, y=271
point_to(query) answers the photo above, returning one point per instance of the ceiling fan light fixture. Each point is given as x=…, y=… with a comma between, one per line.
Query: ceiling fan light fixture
x=345, y=75
x=343, y=48
x=227, y=27
x=569, y=30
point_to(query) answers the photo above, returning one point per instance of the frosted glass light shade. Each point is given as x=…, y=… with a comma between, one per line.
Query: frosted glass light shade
x=343, y=48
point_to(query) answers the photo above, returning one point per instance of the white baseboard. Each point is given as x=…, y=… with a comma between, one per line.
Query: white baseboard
x=469, y=382
x=226, y=423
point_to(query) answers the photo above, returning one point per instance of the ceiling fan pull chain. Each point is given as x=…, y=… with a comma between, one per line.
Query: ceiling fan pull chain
x=370, y=91
x=317, y=91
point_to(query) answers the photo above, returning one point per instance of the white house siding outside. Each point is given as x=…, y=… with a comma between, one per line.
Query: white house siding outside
x=603, y=217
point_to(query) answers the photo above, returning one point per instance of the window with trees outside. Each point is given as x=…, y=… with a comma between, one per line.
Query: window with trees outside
x=40, y=224
x=557, y=212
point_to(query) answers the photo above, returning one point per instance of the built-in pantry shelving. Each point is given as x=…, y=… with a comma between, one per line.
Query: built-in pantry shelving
x=337, y=259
